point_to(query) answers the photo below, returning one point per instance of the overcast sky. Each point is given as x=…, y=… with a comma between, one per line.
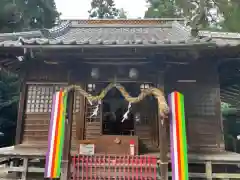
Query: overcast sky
x=78, y=9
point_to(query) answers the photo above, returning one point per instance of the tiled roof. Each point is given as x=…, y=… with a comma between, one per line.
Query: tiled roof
x=222, y=38
x=107, y=32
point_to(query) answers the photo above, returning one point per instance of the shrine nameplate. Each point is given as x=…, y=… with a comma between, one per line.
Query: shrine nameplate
x=87, y=149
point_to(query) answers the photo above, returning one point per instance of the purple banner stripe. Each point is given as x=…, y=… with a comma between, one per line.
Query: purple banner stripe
x=171, y=134
x=50, y=134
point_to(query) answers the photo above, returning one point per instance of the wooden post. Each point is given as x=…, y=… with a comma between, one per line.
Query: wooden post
x=208, y=168
x=21, y=108
x=163, y=140
x=22, y=100
x=25, y=168
x=66, y=160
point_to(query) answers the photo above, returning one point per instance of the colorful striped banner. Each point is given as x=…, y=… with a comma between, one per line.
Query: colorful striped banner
x=56, y=135
x=178, y=137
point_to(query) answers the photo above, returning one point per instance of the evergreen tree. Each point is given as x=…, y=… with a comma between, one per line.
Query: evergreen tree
x=231, y=14
x=22, y=15
x=9, y=96
x=19, y=15
x=103, y=9
x=222, y=15
x=162, y=9
x=122, y=14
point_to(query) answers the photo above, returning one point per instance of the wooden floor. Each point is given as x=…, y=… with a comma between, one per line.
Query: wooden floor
x=26, y=151
x=34, y=153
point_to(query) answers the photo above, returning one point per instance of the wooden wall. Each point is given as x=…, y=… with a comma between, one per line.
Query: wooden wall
x=42, y=81
x=202, y=103
x=202, y=107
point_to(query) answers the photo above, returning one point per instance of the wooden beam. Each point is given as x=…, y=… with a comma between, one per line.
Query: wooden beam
x=200, y=45
x=230, y=91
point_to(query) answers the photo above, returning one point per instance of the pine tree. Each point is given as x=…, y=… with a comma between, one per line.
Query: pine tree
x=122, y=14
x=19, y=15
x=222, y=15
x=103, y=9
x=162, y=9
x=9, y=96
x=25, y=15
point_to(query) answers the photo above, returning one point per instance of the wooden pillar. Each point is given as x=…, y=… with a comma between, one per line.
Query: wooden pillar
x=163, y=138
x=208, y=170
x=21, y=109
x=66, y=160
x=22, y=98
x=79, y=117
x=220, y=138
x=163, y=148
x=25, y=169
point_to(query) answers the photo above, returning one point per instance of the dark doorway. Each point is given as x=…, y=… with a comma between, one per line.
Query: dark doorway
x=114, y=108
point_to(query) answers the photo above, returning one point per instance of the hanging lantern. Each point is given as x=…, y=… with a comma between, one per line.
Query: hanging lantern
x=133, y=73
x=95, y=73
x=91, y=87
x=137, y=117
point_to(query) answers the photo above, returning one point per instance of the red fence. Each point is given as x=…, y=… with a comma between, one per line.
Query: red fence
x=114, y=167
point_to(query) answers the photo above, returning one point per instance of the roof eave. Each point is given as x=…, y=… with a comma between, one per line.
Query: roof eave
x=89, y=46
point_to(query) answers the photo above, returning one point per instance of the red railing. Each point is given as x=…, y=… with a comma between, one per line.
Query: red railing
x=114, y=167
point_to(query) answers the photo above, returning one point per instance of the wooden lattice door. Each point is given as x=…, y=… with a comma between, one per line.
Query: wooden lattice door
x=146, y=125
x=93, y=124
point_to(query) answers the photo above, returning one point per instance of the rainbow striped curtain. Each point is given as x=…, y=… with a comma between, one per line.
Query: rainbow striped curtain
x=56, y=135
x=178, y=137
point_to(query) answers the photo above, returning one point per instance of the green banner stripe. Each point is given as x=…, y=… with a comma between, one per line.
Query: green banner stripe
x=184, y=136
x=62, y=134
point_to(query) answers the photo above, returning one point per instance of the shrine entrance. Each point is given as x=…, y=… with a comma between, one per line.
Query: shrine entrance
x=117, y=115
x=122, y=123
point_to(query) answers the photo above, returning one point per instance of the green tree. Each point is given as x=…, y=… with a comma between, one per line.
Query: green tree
x=222, y=15
x=122, y=14
x=162, y=9
x=231, y=15
x=9, y=96
x=21, y=15
x=102, y=9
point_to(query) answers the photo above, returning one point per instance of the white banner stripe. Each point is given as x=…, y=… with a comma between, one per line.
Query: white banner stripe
x=53, y=134
x=175, y=136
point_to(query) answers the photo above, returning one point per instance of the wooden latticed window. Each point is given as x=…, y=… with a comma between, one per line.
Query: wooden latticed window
x=39, y=97
x=93, y=89
x=77, y=102
x=89, y=112
x=145, y=107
